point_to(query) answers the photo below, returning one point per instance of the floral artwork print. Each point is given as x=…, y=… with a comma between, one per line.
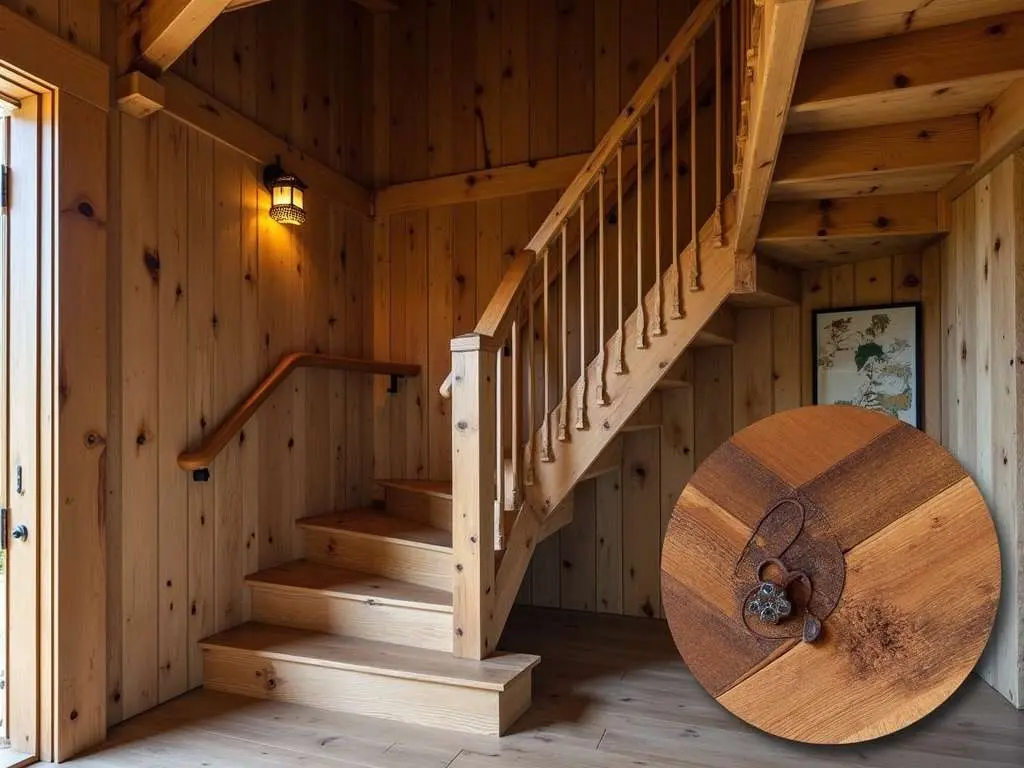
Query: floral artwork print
x=868, y=358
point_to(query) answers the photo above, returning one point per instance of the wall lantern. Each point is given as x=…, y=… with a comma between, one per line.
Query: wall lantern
x=286, y=195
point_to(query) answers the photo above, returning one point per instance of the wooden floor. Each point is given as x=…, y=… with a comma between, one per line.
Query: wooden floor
x=610, y=691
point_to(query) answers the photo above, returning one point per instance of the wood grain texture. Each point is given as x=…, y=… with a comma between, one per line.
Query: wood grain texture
x=215, y=294
x=921, y=586
x=980, y=306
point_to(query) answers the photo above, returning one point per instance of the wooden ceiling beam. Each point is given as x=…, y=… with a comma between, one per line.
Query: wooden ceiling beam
x=951, y=70
x=504, y=181
x=838, y=22
x=806, y=232
x=154, y=33
x=918, y=156
x=868, y=217
x=1001, y=127
x=785, y=28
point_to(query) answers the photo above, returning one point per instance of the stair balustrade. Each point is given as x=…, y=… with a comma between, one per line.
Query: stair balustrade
x=611, y=289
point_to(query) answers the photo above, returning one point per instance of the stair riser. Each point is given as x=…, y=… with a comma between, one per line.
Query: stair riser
x=422, y=507
x=432, y=704
x=341, y=616
x=404, y=562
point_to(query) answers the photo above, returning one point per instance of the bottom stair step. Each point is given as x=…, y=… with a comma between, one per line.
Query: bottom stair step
x=364, y=677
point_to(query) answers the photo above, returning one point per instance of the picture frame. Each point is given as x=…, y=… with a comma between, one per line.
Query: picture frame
x=870, y=356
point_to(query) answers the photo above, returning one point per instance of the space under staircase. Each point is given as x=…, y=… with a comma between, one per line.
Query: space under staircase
x=396, y=612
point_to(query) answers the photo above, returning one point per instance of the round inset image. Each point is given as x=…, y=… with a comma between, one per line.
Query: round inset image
x=830, y=575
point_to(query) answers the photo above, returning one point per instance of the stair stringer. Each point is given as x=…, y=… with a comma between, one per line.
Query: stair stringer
x=540, y=514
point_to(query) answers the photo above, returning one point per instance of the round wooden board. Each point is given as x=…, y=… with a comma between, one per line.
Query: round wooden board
x=921, y=575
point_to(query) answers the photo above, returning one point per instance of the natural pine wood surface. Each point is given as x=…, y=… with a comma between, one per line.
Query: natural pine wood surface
x=385, y=659
x=611, y=692
x=921, y=574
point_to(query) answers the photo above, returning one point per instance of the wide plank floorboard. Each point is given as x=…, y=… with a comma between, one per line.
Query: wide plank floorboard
x=611, y=691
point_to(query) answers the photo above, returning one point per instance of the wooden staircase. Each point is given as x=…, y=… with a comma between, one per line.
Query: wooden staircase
x=363, y=624
x=396, y=612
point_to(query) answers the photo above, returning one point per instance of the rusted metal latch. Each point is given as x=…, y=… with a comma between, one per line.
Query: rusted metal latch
x=769, y=602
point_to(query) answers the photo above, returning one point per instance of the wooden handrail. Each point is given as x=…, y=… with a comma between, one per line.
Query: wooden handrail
x=494, y=321
x=497, y=315
x=202, y=456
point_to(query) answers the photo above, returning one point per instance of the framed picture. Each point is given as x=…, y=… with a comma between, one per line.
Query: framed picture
x=871, y=357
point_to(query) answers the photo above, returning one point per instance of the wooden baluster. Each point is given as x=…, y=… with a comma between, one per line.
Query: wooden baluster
x=717, y=224
x=602, y=381
x=546, y=454
x=531, y=375
x=658, y=326
x=516, y=384
x=563, y=418
x=678, y=310
x=641, y=310
x=694, y=224
x=499, y=454
x=620, y=357
x=581, y=406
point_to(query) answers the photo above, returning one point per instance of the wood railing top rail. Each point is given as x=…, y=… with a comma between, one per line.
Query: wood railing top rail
x=493, y=323
x=202, y=456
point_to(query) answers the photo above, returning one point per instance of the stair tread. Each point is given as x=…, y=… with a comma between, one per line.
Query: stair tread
x=303, y=575
x=374, y=522
x=440, y=488
x=349, y=653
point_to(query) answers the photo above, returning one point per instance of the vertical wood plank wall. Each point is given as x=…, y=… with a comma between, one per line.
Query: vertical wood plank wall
x=210, y=294
x=982, y=300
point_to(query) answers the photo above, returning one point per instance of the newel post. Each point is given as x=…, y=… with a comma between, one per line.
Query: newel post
x=474, y=455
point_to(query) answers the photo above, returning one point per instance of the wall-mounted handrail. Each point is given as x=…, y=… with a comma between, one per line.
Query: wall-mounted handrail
x=199, y=458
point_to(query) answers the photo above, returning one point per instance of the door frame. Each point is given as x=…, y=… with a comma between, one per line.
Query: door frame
x=30, y=395
x=77, y=93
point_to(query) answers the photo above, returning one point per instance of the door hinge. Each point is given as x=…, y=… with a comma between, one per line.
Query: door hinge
x=5, y=178
x=3, y=528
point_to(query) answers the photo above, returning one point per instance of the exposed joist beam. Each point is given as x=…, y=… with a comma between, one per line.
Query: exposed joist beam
x=152, y=34
x=905, y=157
x=814, y=232
x=201, y=111
x=1001, y=128
x=518, y=179
x=785, y=31
x=950, y=70
x=857, y=217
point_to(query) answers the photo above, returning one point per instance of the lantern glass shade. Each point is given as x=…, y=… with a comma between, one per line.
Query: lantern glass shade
x=287, y=204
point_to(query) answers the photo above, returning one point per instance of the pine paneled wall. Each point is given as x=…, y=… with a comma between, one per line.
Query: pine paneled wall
x=211, y=293
x=77, y=21
x=982, y=297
